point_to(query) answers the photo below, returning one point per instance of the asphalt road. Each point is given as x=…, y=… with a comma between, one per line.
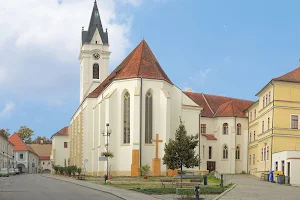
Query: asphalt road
x=36, y=187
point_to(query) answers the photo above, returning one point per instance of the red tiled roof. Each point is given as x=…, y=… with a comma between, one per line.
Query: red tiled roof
x=209, y=136
x=292, y=76
x=211, y=103
x=140, y=63
x=19, y=145
x=62, y=132
x=44, y=157
x=229, y=109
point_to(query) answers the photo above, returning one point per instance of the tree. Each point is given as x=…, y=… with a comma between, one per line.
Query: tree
x=180, y=152
x=5, y=133
x=25, y=134
x=38, y=139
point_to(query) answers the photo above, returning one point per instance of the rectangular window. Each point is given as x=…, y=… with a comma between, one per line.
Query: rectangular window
x=282, y=166
x=209, y=152
x=269, y=96
x=249, y=159
x=268, y=123
x=21, y=156
x=255, y=114
x=203, y=152
x=253, y=159
x=250, y=116
x=43, y=163
x=65, y=144
x=276, y=166
x=294, y=124
x=263, y=126
x=250, y=137
x=203, y=128
x=263, y=102
x=254, y=136
x=267, y=152
x=262, y=154
x=267, y=100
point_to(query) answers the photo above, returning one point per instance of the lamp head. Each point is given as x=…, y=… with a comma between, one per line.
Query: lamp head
x=107, y=124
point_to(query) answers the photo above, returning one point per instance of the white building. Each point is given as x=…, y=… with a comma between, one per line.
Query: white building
x=60, y=152
x=6, y=153
x=289, y=163
x=25, y=158
x=138, y=101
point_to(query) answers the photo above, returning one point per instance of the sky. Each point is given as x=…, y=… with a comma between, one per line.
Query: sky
x=231, y=48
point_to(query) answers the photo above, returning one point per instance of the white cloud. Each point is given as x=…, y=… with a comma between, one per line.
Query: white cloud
x=199, y=78
x=204, y=73
x=41, y=43
x=227, y=58
x=7, y=110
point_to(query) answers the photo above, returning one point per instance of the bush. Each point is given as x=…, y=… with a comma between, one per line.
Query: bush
x=79, y=170
x=68, y=170
x=55, y=167
x=144, y=170
x=73, y=169
x=243, y=172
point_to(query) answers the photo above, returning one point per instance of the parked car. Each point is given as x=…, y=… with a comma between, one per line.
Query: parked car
x=17, y=171
x=12, y=171
x=4, y=172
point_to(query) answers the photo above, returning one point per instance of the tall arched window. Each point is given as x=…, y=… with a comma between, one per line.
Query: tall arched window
x=237, y=153
x=225, y=129
x=148, y=118
x=126, y=118
x=238, y=129
x=95, y=71
x=225, y=152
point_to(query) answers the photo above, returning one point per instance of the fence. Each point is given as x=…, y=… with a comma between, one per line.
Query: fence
x=225, y=179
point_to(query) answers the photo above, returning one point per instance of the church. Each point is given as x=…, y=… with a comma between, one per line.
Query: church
x=136, y=109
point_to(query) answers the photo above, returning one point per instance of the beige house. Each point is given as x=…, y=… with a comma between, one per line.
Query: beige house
x=60, y=152
x=44, y=153
x=6, y=153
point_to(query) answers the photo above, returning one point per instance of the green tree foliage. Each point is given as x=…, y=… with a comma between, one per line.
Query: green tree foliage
x=180, y=152
x=5, y=133
x=25, y=134
x=38, y=139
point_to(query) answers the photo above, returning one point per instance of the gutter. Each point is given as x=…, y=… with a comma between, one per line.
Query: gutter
x=141, y=117
x=199, y=140
x=271, y=150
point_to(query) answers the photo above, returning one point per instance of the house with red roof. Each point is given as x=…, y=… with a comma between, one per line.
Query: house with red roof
x=44, y=151
x=60, y=152
x=25, y=158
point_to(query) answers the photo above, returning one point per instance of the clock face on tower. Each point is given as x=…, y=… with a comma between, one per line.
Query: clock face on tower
x=96, y=56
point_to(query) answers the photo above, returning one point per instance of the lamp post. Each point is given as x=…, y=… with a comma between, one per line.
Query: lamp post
x=108, y=132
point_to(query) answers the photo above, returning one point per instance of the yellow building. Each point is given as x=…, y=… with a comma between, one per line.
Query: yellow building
x=274, y=122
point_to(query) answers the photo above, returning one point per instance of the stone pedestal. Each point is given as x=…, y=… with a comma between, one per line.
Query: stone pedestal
x=135, y=162
x=172, y=172
x=156, y=167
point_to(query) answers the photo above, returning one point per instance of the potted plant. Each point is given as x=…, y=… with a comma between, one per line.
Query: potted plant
x=144, y=170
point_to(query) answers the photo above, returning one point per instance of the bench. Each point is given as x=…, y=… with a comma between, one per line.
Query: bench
x=180, y=184
x=80, y=177
x=164, y=181
x=196, y=181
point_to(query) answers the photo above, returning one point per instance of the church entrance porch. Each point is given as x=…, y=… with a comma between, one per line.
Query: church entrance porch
x=211, y=166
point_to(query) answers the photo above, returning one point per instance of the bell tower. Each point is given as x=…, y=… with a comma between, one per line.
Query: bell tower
x=94, y=55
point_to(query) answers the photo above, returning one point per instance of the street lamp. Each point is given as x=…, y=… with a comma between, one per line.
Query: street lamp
x=108, y=132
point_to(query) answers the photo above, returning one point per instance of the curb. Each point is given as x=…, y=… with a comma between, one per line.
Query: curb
x=218, y=197
x=85, y=186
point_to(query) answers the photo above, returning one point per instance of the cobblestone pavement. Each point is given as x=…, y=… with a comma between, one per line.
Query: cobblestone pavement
x=250, y=188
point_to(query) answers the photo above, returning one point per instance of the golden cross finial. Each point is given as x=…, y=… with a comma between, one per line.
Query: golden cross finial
x=156, y=145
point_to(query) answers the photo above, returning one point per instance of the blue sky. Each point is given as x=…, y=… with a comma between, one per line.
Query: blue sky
x=231, y=48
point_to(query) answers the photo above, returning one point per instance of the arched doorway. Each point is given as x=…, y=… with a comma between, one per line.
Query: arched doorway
x=22, y=168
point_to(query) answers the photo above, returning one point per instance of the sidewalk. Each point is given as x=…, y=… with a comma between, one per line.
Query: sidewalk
x=120, y=193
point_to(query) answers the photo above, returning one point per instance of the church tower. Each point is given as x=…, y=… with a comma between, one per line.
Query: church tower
x=94, y=55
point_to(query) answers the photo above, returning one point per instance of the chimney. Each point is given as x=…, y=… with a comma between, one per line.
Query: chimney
x=188, y=90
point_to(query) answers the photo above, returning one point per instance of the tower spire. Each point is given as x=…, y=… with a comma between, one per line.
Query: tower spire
x=95, y=23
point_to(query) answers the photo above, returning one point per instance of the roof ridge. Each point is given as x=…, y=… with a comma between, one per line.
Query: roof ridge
x=208, y=104
x=143, y=43
x=228, y=102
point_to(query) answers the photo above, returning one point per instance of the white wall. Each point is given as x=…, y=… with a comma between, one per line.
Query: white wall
x=45, y=165
x=61, y=153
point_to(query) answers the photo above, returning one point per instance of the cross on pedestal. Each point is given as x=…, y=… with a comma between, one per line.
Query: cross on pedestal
x=156, y=145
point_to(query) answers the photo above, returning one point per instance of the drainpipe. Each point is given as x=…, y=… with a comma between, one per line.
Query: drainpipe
x=199, y=139
x=141, y=120
x=271, y=149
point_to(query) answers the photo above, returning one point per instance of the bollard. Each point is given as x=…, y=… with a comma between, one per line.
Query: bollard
x=221, y=180
x=197, y=192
